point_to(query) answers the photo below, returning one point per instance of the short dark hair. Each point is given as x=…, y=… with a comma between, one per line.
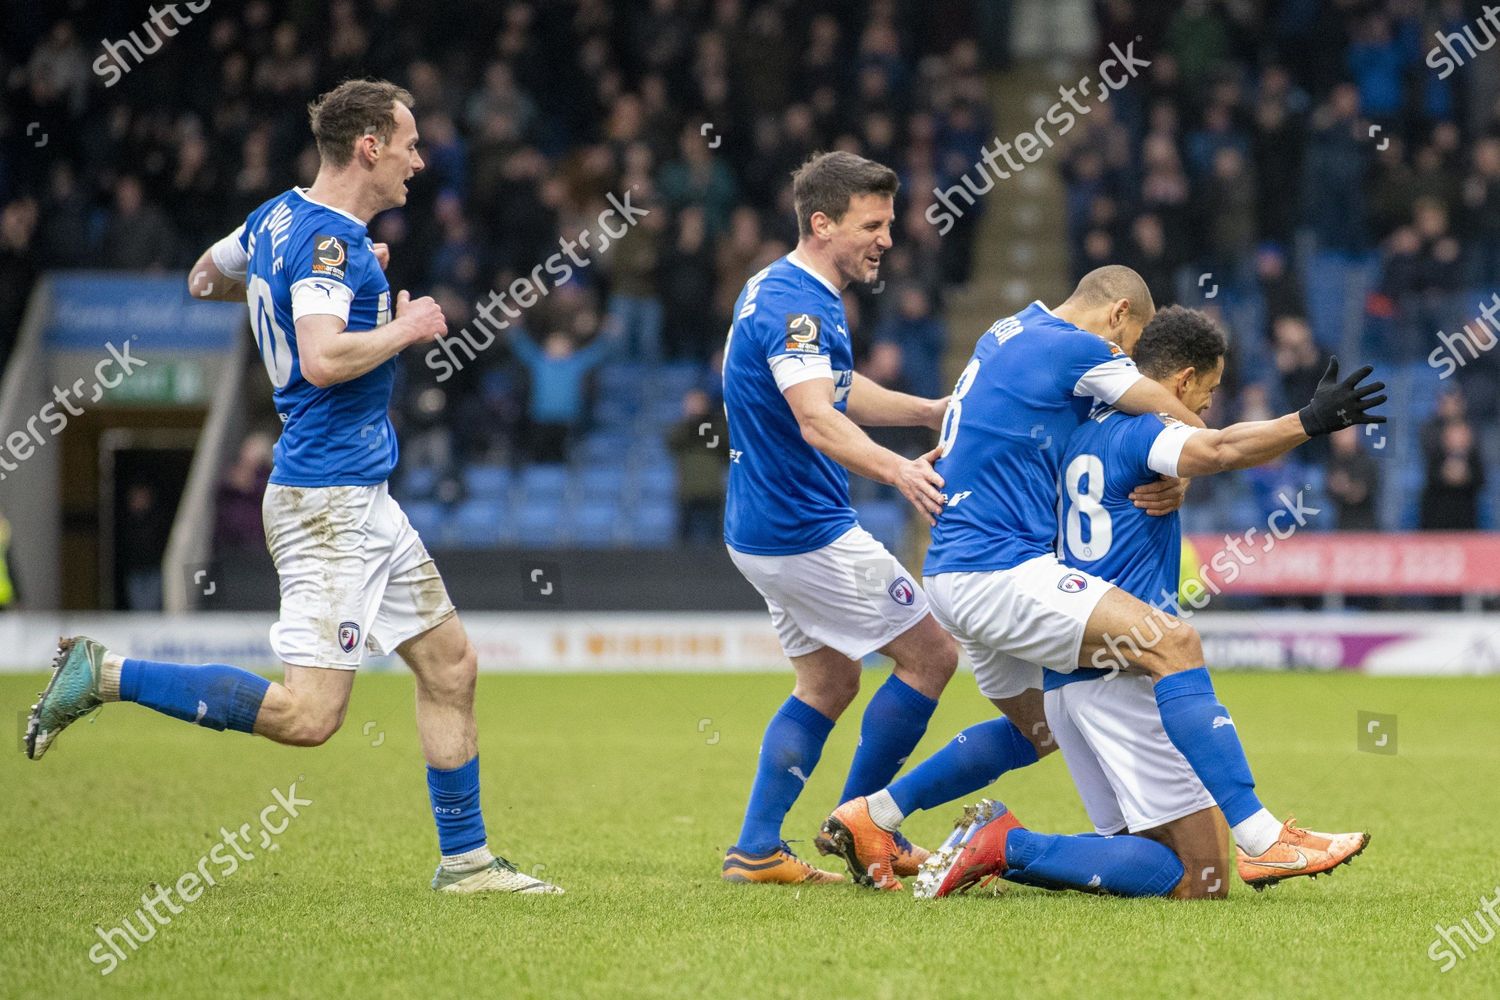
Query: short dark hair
x=350, y=110
x=1178, y=338
x=1111, y=283
x=827, y=181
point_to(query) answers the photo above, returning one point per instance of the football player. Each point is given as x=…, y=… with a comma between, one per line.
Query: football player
x=353, y=572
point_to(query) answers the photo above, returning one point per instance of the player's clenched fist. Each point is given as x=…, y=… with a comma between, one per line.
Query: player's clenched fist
x=919, y=482
x=423, y=315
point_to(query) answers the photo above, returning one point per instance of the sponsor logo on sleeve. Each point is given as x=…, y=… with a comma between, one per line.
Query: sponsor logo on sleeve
x=802, y=333
x=330, y=255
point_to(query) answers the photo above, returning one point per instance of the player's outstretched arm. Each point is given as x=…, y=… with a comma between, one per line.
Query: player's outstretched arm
x=1334, y=406
x=840, y=438
x=871, y=404
x=329, y=356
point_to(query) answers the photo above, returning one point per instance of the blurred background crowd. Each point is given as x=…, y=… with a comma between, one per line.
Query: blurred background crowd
x=1338, y=194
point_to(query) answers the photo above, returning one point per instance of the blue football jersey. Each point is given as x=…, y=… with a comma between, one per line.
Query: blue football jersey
x=1029, y=384
x=1106, y=534
x=785, y=496
x=305, y=258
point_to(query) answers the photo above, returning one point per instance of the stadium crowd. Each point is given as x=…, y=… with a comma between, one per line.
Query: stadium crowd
x=1243, y=153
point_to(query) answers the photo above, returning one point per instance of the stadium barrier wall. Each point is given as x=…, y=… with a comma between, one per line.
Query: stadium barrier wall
x=574, y=642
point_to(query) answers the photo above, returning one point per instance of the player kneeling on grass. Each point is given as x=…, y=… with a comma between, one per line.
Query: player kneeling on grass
x=352, y=569
x=1136, y=750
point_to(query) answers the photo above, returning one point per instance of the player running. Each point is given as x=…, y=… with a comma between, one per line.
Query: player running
x=353, y=572
x=1032, y=609
x=795, y=406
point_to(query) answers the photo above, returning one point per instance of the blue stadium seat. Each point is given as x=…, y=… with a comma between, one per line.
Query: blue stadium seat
x=426, y=516
x=655, y=480
x=886, y=520
x=419, y=481
x=474, y=524
x=539, y=522
x=487, y=482
x=595, y=524
x=623, y=380
x=653, y=525
x=604, y=446
x=544, y=483
x=600, y=482
x=614, y=411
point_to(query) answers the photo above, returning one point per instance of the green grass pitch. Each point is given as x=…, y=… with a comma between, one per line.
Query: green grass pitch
x=629, y=787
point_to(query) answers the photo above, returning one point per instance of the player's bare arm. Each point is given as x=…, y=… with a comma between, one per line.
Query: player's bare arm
x=835, y=435
x=1149, y=396
x=1334, y=406
x=206, y=281
x=330, y=357
x=871, y=404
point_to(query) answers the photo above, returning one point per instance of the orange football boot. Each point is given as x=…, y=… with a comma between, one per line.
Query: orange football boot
x=1299, y=852
x=778, y=866
x=871, y=852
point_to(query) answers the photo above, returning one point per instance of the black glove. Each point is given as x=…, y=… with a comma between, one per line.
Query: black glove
x=1337, y=405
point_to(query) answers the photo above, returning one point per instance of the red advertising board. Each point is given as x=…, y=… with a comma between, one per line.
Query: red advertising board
x=1351, y=563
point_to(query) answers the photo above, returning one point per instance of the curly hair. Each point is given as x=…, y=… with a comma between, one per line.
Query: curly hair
x=1178, y=338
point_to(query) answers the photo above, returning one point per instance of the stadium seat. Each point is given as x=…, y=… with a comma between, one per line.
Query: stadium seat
x=594, y=524
x=487, y=482
x=541, y=483
x=603, y=446
x=474, y=524
x=426, y=516
x=600, y=482
x=539, y=522
x=655, y=480
x=653, y=525
x=419, y=481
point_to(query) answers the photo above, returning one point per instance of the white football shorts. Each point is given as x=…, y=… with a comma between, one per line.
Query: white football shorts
x=354, y=574
x=851, y=595
x=1127, y=771
x=1009, y=621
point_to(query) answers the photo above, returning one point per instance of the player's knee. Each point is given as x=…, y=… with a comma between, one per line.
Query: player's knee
x=314, y=727
x=1181, y=647
x=453, y=682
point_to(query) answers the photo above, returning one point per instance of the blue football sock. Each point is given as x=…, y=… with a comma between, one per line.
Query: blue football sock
x=788, y=753
x=893, y=724
x=211, y=695
x=972, y=760
x=455, y=807
x=1122, y=865
x=1201, y=729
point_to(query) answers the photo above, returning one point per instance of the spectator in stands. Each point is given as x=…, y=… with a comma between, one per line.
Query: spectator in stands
x=1455, y=479
x=140, y=543
x=1353, y=481
x=633, y=312
x=1337, y=159
x=18, y=223
x=1300, y=364
x=556, y=407
x=1481, y=214
x=920, y=337
x=237, y=521
x=138, y=236
x=700, y=442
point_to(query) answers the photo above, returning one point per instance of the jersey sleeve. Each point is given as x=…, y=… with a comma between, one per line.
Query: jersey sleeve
x=1151, y=446
x=231, y=255
x=796, y=343
x=324, y=269
x=1092, y=366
